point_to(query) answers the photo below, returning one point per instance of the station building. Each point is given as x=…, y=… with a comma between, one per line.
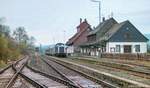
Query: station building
x=113, y=37
x=79, y=38
x=108, y=37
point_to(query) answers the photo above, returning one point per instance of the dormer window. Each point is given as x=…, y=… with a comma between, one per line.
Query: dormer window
x=127, y=28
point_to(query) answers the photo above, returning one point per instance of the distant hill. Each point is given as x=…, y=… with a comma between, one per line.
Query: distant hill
x=45, y=47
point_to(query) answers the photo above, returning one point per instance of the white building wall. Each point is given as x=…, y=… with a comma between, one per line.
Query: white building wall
x=143, y=46
x=70, y=49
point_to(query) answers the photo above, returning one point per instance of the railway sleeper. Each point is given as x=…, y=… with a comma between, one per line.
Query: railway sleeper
x=104, y=77
x=53, y=78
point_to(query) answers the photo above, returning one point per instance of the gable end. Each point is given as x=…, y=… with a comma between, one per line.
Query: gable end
x=128, y=33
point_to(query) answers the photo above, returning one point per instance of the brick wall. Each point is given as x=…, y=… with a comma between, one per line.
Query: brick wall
x=82, y=39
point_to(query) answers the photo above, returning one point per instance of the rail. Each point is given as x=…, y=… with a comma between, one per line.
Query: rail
x=53, y=77
x=103, y=83
x=17, y=72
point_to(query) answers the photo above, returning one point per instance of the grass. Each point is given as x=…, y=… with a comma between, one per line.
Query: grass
x=2, y=64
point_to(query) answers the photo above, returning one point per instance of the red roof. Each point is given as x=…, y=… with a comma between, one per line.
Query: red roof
x=82, y=26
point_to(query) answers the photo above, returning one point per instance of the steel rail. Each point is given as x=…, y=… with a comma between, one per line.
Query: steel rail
x=130, y=71
x=103, y=83
x=9, y=66
x=17, y=72
x=34, y=83
x=11, y=82
x=52, y=77
x=67, y=79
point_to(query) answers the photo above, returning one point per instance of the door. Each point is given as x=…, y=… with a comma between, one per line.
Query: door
x=127, y=49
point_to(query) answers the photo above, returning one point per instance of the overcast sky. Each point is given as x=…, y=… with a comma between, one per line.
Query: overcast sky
x=47, y=20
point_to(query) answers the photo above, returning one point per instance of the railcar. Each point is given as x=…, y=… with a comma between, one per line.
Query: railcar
x=57, y=50
x=60, y=50
x=37, y=49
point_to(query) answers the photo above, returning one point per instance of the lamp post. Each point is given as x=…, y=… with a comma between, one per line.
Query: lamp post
x=41, y=51
x=64, y=32
x=99, y=2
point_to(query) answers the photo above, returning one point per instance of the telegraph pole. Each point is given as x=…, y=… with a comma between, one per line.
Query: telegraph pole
x=99, y=2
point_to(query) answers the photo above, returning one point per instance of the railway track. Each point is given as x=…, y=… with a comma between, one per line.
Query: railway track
x=108, y=66
x=57, y=73
x=10, y=77
x=45, y=79
x=6, y=76
x=131, y=72
x=76, y=77
x=114, y=80
x=43, y=67
x=134, y=64
x=121, y=61
x=42, y=79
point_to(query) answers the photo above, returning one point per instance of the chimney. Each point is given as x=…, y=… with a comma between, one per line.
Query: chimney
x=103, y=19
x=80, y=20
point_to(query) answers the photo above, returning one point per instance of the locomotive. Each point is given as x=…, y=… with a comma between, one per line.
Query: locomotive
x=58, y=49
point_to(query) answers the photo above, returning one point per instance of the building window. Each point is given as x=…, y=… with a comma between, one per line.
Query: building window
x=112, y=49
x=127, y=48
x=127, y=28
x=117, y=48
x=137, y=48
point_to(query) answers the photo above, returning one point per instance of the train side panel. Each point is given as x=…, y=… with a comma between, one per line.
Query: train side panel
x=58, y=50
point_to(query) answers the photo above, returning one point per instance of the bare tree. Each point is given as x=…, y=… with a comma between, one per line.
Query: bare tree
x=20, y=34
